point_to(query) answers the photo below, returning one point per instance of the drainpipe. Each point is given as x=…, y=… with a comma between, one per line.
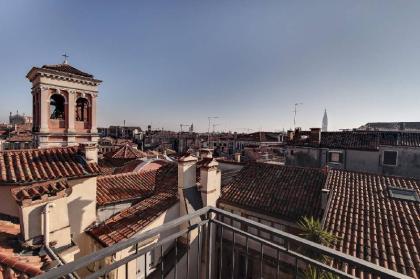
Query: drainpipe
x=46, y=212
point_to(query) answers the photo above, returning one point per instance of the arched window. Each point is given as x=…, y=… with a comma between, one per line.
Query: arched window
x=57, y=107
x=82, y=110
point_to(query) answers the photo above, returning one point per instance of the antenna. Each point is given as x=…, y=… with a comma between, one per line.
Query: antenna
x=295, y=111
x=208, y=129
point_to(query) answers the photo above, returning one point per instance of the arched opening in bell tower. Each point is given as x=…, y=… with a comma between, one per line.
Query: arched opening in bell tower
x=82, y=110
x=57, y=107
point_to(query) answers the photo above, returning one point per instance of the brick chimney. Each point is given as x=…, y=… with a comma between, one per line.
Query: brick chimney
x=316, y=135
x=210, y=178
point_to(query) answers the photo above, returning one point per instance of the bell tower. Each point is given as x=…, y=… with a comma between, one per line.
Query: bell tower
x=64, y=105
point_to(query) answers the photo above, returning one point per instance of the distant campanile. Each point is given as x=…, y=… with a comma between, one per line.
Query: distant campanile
x=325, y=121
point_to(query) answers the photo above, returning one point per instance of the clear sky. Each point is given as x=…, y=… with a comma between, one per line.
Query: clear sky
x=248, y=62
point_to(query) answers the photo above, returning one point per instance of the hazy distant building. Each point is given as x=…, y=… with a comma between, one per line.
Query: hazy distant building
x=19, y=119
x=325, y=122
x=391, y=126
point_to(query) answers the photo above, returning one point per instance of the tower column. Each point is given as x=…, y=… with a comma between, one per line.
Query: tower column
x=45, y=109
x=93, y=128
x=71, y=106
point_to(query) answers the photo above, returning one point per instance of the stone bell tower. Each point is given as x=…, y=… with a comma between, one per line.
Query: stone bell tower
x=64, y=105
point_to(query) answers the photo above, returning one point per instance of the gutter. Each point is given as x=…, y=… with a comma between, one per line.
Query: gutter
x=50, y=251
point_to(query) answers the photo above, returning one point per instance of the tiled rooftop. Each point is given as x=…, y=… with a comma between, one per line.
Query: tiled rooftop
x=140, y=165
x=135, y=218
x=34, y=165
x=66, y=68
x=125, y=187
x=370, y=224
x=40, y=192
x=14, y=264
x=125, y=152
x=279, y=191
x=360, y=140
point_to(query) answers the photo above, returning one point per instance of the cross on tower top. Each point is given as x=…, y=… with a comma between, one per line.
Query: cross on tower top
x=65, y=58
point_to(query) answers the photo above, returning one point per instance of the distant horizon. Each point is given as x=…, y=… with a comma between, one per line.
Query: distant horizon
x=248, y=63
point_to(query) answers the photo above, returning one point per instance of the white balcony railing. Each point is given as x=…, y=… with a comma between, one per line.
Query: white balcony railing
x=237, y=248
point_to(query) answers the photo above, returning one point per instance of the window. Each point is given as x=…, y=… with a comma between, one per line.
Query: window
x=335, y=157
x=390, y=158
x=82, y=109
x=57, y=107
x=403, y=194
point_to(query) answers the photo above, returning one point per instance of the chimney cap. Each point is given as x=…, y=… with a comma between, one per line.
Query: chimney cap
x=187, y=158
x=207, y=163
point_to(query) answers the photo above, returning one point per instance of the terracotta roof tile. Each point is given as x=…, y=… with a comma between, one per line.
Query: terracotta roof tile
x=66, y=68
x=371, y=224
x=280, y=191
x=132, y=220
x=34, y=165
x=123, y=187
x=41, y=191
x=21, y=264
x=360, y=140
x=140, y=165
x=125, y=152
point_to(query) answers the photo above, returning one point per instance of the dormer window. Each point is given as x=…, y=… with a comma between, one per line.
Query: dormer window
x=57, y=107
x=82, y=110
x=403, y=194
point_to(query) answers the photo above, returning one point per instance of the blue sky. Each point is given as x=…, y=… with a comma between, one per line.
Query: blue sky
x=248, y=62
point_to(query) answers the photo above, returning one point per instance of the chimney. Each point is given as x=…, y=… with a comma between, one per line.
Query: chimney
x=206, y=153
x=290, y=135
x=187, y=168
x=316, y=135
x=211, y=180
x=187, y=172
x=90, y=150
x=238, y=157
x=324, y=198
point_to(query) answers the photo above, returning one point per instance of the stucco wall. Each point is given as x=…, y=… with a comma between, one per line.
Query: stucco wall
x=82, y=212
x=408, y=162
x=8, y=205
x=32, y=222
x=303, y=156
x=364, y=161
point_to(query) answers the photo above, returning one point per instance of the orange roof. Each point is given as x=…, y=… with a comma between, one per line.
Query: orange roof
x=124, y=187
x=132, y=220
x=372, y=225
x=35, y=165
x=125, y=152
x=40, y=192
x=10, y=258
x=284, y=192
